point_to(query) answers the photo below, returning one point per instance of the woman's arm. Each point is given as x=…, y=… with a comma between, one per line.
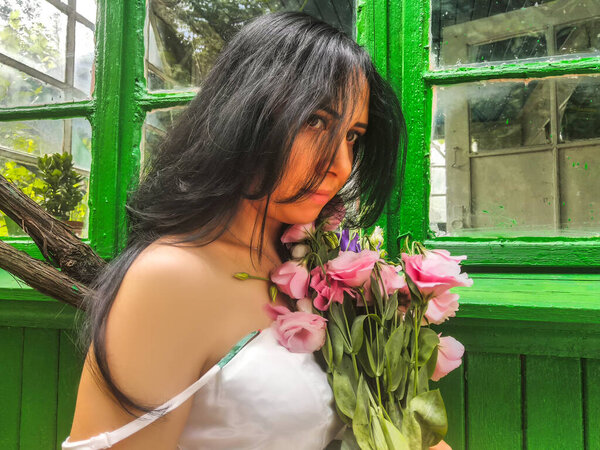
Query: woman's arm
x=156, y=347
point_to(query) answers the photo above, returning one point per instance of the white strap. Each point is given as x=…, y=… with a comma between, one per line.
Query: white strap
x=106, y=440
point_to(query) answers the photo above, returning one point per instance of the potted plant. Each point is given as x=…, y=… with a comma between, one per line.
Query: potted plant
x=26, y=181
x=62, y=188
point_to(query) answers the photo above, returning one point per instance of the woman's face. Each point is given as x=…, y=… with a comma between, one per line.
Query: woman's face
x=307, y=208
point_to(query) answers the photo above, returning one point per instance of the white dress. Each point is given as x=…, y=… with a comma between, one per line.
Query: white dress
x=265, y=397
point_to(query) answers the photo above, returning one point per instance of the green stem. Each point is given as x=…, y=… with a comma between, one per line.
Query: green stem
x=415, y=315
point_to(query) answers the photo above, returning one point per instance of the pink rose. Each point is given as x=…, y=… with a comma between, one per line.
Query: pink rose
x=299, y=331
x=291, y=278
x=435, y=272
x=450, y=353
x=326, y=292
x=334, y=221
x=352, y=269
x=298, y=232
x=440, y=308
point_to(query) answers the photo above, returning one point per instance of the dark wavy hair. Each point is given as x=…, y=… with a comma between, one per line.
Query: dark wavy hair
x=233, y=142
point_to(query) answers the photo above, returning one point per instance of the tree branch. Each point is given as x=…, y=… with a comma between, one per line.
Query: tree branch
x=42, y=276
x=58, y=244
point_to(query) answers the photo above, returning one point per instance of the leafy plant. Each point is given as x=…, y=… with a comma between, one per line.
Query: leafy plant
x=62, y=189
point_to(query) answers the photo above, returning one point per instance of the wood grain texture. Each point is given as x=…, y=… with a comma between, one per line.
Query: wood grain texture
x=11, y=368
x=494, y=401
x=591, y=398
x=553, y=403
x=452, y=387
x=39, y=395
x=520, y=337
x=70, y=365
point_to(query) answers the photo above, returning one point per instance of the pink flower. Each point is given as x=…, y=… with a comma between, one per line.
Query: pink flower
x=291, y=278
x=299, y=331
x=450, y=353
x=334, y=221
x=440, y=308
x=304, y=304
x=352, y=269
x=326, y=292
x=391, y=281
x=435, y=272
x=298, y=232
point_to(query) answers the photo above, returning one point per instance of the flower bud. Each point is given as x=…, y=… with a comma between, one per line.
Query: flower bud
x=300, y=251
x=332, y=240
x=241, y=275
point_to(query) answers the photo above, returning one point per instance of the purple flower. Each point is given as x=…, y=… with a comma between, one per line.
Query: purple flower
x=349, y=245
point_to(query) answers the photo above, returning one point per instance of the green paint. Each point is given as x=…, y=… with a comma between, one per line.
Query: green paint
x=512, y=70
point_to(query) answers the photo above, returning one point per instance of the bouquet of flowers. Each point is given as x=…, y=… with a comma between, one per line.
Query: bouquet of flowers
x=368, y=317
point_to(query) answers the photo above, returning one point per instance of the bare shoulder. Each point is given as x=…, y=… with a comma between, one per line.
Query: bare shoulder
x=159, y=334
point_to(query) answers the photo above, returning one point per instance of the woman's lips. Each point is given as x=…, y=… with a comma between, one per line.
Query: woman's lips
x=321, y=197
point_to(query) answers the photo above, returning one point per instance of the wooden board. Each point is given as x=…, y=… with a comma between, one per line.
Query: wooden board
x=11, y=367
x=553, y=403
x=39, y=398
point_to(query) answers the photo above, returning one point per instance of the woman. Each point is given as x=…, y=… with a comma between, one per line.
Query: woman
x=291, y=122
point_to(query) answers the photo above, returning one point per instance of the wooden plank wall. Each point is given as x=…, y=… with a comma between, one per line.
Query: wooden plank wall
x=545, y=398
x=498, y=399
x=39, y=377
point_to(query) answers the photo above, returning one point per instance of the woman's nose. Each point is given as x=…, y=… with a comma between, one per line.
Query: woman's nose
x=342, y=163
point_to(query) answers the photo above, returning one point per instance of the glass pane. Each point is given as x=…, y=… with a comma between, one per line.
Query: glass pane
x=155, y=128
x=84, y=58
x=493, y=115
x=21, y=145
x=469, y=32
x=41, y=61
x=504, y=173
x=87, y=8
x=184, y=38
x=580, y=109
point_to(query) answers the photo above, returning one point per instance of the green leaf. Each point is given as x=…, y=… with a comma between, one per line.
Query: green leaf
x=431, y=363
x=360, y=422
x=393, y=355
x=348, y=307
x=335, y=311
x=415, y=294
x=363, y=359
x=327, y=351
x=380, y=349
x=337, y=341
x=391, y=306
x=412, y=431
x=344, y=394
x=429, y=411
x=349, y=440
x=393, y=437
x=357, y=333
x=376, y=430
x=427, y=342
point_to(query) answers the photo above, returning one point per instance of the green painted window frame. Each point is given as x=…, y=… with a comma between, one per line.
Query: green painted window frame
x=396, y=33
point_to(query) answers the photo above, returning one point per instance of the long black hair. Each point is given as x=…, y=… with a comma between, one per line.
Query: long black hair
x=233, y=142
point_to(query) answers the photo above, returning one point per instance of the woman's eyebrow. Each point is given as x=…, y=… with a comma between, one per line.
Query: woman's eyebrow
x=337, y=116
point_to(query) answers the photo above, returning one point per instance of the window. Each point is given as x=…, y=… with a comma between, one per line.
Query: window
x=503, y=106
x=46, y=61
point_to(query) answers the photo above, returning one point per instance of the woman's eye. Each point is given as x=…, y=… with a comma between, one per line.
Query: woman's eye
x=314, y=122
x=352, y=136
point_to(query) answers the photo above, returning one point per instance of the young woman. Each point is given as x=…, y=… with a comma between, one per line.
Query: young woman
x=291, y=122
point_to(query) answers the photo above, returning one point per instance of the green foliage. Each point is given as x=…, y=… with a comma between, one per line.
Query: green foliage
x=62, y=191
